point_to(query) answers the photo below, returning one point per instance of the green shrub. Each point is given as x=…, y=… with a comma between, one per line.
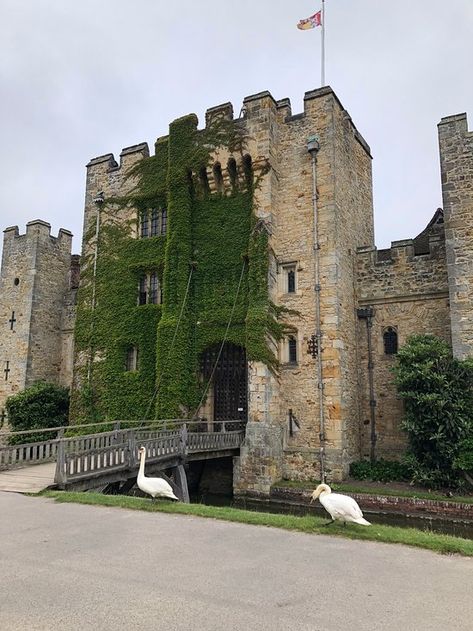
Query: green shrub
x=381, y=471
x=39, y=406
x=437, y=390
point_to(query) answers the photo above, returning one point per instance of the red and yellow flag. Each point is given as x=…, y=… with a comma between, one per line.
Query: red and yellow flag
x=312, y=22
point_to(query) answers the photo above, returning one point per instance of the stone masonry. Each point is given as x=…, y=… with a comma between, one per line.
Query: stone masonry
x=456, y=159
x=39, y=279
x=419, y=285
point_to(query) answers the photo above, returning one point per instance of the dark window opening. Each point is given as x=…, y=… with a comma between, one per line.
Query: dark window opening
x=292, y=345
x=218, y=177
x=153, y=289
x=204, y=181
x=233, y=173
x=12, y=321
x=143, y=292
x=131, y=362
x=144, y=225
x=164, y=221
x=154, y=222
x=291, y=281
x=248, y=171
x=7, y=370
x=16, y=282
x=390, y=341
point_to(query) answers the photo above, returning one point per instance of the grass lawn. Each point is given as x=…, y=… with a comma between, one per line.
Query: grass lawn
x=378, y=488
x=445, y=544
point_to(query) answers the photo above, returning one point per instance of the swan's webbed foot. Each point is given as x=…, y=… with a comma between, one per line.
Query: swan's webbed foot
x=329, y=523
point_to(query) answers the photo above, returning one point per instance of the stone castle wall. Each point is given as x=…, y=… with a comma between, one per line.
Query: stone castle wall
x=456, y=160
x=409, y=293
x=35, y=286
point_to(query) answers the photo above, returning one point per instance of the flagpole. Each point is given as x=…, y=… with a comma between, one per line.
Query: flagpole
x=323, y=45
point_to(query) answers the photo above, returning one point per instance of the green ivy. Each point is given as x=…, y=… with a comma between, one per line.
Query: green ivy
x=214, y=243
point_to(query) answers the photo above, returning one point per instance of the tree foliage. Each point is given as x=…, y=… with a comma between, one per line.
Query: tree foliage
x=437, y=389
x=39, y=406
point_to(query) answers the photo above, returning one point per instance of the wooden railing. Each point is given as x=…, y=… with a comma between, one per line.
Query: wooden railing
x=83, y=457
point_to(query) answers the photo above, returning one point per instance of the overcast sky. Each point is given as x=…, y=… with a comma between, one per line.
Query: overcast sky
x=80, y=78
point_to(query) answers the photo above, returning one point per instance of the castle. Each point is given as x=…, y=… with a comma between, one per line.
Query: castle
x=200, y=269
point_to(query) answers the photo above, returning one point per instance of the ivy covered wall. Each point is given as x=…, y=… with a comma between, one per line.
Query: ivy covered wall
x=214, y=247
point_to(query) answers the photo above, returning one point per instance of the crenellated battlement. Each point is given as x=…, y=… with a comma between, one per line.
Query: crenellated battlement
x=254, y=107
x=409, y=266
x=40, y=228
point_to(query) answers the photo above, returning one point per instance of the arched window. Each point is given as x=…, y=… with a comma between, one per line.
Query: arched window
x=248, y=171
x=292, y=350
x=204, y=181
x=233, y=173
x=390, y=341
x=218, y=177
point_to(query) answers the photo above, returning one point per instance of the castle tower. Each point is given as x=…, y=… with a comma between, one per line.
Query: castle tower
x=456, y=160
x=209, y=224
x=34, y=289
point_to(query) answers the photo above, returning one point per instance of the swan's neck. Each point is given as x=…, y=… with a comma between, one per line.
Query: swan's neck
x=141, y=472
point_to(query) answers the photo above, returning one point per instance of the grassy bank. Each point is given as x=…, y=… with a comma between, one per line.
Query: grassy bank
x=444, y=544
x=379, y=489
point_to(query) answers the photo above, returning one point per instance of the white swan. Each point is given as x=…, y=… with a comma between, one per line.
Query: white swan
x=340, y=507
x=156, y=487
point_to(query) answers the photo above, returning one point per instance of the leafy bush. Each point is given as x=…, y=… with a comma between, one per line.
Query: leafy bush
x=41, y=405
x=381, y=471
x=438, y=394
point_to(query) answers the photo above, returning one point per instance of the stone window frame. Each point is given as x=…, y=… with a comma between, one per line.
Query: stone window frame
x=390, y=341
x=290, y=351
x=132, y=359
x=287, y=268
x=152, y=222
x=150, y=291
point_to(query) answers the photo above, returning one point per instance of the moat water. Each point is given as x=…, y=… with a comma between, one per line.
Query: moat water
x=457, y=528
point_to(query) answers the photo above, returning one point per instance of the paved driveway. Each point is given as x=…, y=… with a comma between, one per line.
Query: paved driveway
x=66, y=566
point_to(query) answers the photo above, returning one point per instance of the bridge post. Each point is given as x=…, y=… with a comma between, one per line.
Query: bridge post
x=131, y=448
x=183, y=446
x=180, y=478
x=60, y=475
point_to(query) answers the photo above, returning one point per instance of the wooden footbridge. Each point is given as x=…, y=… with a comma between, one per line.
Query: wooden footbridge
x=109, y=459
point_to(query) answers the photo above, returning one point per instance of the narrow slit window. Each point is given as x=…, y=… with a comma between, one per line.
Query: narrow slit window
x=154, y=222
x=204, y=181
x=12, y=321
x=144, y=225
x=292, y=350
x=143, y=291
x=233, y=173
x=131, y=361
x=7, y=370
x=248, y=171
x=291, y=281
x=164, y=221
x=390, y=340
x=153, y=289
x=218, y=177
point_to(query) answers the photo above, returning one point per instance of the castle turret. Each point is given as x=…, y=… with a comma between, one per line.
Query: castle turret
x=34, y=284
x=456, y=159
